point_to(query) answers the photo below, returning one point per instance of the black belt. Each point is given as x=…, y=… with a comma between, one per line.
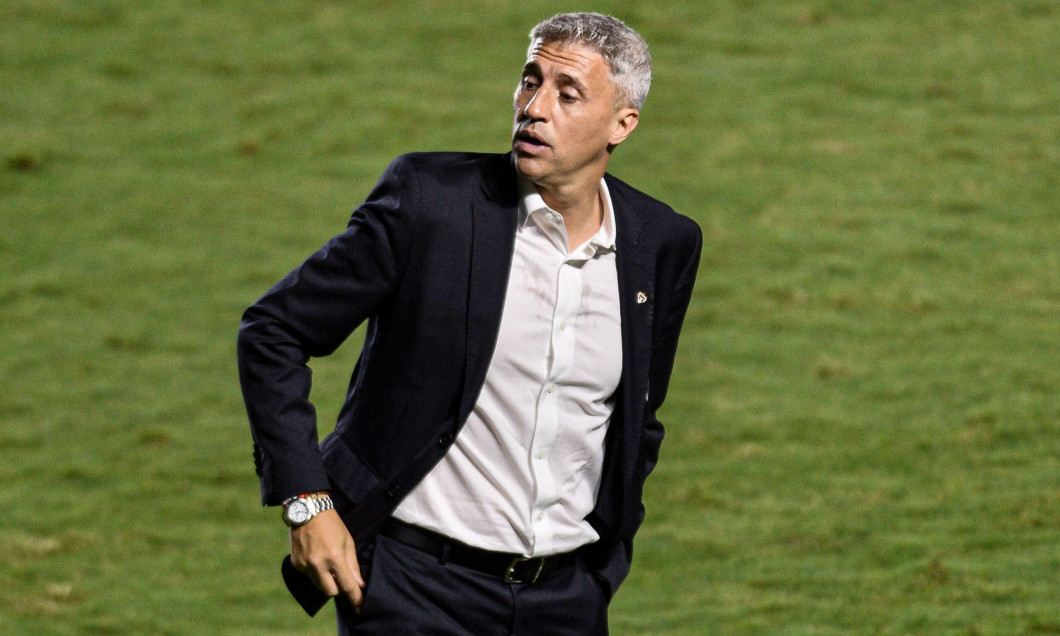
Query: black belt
x=512, y=568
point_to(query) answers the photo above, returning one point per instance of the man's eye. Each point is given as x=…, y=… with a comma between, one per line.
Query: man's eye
x=529, y=85
x=568, y=97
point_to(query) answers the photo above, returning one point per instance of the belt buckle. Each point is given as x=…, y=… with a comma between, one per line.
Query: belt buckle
x=516, y=561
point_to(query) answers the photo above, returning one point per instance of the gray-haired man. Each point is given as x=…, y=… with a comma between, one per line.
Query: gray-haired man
x=523, y=311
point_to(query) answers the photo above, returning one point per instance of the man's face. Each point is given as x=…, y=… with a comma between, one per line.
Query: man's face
x=566, y=119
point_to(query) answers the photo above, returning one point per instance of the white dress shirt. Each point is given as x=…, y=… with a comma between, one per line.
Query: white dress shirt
x=525, y=470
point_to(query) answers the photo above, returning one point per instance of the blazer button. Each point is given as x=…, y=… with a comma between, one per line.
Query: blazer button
x=445, y=439
x=394, y=491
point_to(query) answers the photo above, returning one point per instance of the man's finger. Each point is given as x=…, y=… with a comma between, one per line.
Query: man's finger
x=355, y=595
x=355, y=566
x=349, y=584
x=322, y=579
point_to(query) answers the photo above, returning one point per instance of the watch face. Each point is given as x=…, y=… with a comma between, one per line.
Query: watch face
x=298, y=512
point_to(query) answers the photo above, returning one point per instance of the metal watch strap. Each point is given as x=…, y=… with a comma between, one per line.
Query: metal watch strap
x=321, y=503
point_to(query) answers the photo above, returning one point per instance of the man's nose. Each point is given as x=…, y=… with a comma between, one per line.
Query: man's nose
x=536, y=108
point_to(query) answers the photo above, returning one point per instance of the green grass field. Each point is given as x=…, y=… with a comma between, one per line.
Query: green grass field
x=864, y=424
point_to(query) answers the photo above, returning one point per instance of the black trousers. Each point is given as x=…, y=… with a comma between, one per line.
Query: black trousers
x=411, y=593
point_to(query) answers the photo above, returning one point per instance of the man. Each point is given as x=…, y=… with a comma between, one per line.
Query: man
x=523, y=310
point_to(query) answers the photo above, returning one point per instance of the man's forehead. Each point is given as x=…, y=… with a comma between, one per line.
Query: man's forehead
x=575, y=56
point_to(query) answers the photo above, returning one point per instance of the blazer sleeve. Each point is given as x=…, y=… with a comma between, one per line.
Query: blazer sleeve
x=309, y=314
x=678, y=276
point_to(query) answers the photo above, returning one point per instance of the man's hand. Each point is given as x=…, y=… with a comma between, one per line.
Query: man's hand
x=324, y=550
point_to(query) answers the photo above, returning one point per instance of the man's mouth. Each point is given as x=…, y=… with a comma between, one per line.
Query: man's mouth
x=529, y=139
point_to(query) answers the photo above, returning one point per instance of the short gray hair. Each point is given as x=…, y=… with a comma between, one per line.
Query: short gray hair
x=624, y=50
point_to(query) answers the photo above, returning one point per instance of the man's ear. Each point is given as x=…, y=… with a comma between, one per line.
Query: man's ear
x=626, y=120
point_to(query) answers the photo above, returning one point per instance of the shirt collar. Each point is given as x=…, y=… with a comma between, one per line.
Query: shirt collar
x=532, y=203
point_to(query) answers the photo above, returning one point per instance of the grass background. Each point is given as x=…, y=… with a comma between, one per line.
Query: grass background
x=863, y=424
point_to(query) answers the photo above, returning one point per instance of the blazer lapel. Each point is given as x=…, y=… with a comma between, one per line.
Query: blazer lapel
x=636, y=292
x=636, y=289
x=493, y=222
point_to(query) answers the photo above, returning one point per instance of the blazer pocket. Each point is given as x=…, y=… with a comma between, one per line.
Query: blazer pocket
x=350, y=476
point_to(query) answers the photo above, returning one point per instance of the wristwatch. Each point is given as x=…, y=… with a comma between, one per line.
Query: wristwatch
x=298, y=510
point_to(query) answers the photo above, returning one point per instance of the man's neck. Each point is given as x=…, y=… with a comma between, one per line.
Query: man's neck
x=581, y=208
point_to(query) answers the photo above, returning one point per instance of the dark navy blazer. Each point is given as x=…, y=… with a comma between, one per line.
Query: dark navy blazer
x=425, y=261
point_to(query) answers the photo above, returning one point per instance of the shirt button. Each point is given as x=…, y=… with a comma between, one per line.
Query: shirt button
x=551, y=388
x=540, y=516
x=540, y=454
x=562, y=326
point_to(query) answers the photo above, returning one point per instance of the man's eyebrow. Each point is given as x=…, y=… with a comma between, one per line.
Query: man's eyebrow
x=569, y=80
x=564, y=79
